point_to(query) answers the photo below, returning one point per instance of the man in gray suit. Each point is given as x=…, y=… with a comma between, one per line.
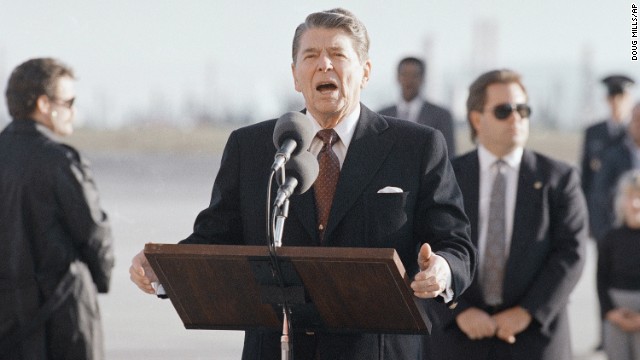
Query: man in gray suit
x=412, y=107
x=395, y=189
x=529, y=224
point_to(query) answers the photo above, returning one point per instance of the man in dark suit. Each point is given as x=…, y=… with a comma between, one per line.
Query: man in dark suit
x=529, y=224
x=395, y=188
x=56, y=249
x=616, y=160
x=602, y=135
x=411, y=77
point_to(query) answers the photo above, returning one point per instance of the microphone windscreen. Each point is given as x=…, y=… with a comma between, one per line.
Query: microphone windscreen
x=305, y=169
x=295, y=126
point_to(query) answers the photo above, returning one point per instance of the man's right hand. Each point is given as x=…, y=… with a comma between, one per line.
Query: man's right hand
x=142, y=274
x=476, y=324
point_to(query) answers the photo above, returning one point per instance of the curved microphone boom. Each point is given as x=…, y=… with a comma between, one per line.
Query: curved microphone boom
x=302, y=171
x=291, y=136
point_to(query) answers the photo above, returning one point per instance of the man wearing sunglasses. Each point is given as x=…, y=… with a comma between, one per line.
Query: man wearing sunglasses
x=55, y=242
x=529, y=224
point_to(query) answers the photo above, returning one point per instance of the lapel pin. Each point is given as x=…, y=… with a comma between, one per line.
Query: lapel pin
x=537, y=185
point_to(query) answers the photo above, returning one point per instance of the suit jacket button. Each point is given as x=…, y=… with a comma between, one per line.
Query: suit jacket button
x=453, y=305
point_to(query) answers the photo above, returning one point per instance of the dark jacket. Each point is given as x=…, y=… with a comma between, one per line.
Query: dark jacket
x=597, y=141
x=383, y=152
x=597, y=138
x=55, y=249
x=435, y=116
x=616, y=160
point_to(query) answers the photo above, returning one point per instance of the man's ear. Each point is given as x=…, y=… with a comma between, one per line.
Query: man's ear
x=296, y=85
x=43, y=105
x=367, y=73
x=474, y=118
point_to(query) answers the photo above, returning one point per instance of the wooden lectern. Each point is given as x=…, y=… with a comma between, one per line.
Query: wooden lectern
x=328, y=289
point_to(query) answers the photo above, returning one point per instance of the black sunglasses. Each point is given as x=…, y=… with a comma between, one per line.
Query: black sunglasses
x=503, y=111
x=66, y=103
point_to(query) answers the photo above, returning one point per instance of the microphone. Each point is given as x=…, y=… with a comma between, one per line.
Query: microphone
x=292, y=135
x=302, y=172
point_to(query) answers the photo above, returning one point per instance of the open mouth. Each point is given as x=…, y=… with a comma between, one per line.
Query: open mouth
x=326, y=87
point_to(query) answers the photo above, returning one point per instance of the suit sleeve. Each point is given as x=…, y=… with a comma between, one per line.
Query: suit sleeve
x=585, y=166
x=441, y=216
x=603, y=275
x=448, y=131
x=602, y=192
x=558, y=275
x=221, y=222
x=77, y=196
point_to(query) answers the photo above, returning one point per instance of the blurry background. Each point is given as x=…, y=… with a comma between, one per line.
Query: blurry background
x=162, y=83
x=184, y=63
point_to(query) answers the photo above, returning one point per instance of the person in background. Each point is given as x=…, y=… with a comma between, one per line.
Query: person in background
x=603, y=135
x=618, y=273
x=55, y=242
x=529, y=223
x=383, y=182
x=411, y=106
x=616, y=160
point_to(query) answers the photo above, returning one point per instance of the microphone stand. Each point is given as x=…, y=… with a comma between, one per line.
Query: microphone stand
x=280, y=214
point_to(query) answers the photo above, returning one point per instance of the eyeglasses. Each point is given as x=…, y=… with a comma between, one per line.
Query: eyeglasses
x=503, y=111
x=66, y=103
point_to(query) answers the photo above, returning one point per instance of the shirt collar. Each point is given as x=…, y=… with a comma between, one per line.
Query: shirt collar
x=345, y=128
x=45, y=131
x=416, y=102
x=487, y=159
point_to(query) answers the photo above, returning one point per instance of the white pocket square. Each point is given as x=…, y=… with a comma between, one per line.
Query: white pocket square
x=390, y=190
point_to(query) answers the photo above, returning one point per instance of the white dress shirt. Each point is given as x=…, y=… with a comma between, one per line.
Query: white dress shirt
x=409, y=110
x=487, y=175
x=344, y=129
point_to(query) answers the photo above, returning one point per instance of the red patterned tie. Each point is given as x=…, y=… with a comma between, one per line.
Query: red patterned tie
x=325, y=185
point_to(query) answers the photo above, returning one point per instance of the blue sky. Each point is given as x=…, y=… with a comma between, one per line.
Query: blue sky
x=162, y=57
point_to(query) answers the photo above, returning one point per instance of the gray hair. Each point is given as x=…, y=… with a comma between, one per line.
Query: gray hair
x=629, y=181
x=337, y=18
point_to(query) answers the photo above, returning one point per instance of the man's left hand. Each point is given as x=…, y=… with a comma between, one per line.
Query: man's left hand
x=431, y=281
x=511, y=322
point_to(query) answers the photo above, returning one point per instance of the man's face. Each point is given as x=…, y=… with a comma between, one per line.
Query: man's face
x=620, y=106
x=501, y=136
x=410, y=78
x=329, y=74
x=62, y=112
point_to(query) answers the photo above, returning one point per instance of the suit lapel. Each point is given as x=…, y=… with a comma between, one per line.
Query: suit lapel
x=366, y=153
x=528, y=212
x=470, y=185
x=304, y=208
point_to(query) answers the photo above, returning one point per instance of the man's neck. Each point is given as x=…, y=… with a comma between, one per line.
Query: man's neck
x=499, y=151
x=417, y=96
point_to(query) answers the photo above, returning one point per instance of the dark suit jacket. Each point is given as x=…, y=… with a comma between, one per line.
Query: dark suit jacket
x=546, y=258
x=616, y=160
x=383, y=152
x=435, y=116
x=597, y=138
